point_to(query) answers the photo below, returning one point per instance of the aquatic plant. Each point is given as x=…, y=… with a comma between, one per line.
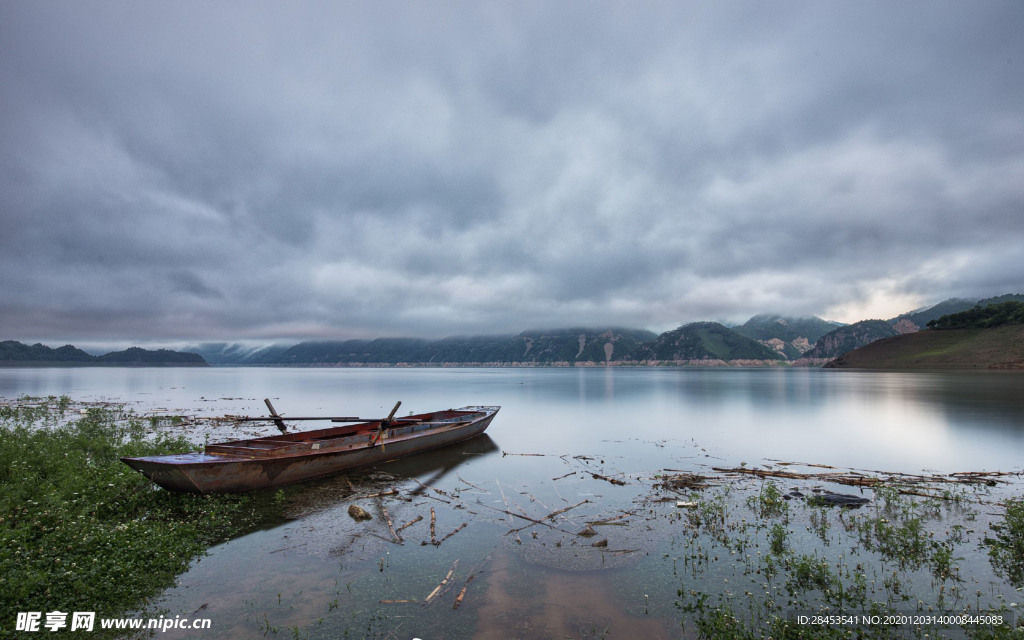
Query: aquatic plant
x=79, y=530
x=890, y=559
x=1006, y=550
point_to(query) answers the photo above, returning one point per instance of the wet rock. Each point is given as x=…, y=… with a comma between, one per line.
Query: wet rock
x=359, y=513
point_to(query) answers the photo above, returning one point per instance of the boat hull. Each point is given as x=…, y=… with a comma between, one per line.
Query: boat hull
x=242, y=466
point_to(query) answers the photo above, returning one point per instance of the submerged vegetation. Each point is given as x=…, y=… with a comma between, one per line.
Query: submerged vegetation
x=79, y=530
x=789, y=568
x=1007, y=548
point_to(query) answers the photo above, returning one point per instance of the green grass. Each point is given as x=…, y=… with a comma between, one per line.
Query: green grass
x=79, y=530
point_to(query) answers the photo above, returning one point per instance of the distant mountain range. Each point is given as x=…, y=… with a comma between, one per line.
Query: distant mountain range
x=561, y=346
x=18, y=354
x=764, y=340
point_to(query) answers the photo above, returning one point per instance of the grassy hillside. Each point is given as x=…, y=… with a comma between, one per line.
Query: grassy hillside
x=998, y=348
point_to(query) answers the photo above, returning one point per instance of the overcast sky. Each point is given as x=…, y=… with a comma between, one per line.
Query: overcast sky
x=190, y=171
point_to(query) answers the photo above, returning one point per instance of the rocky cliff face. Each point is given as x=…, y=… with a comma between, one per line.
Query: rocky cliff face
x=789, y=337
x=905, y=325
x=845, y=339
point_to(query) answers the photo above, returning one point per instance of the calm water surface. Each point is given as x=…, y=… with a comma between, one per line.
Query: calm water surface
x=560, y=435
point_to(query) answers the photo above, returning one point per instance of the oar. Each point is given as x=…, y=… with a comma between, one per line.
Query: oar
x=385, y=424
x=275, y=417
x=331, y=418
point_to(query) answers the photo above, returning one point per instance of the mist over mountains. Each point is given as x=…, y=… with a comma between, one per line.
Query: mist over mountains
x=764, y=340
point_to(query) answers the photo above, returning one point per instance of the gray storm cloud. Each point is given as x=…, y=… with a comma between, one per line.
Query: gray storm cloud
x=207, y=170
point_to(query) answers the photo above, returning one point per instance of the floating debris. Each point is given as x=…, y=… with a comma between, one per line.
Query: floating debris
x=864, y=478
x=616, y=481
x=684, y=482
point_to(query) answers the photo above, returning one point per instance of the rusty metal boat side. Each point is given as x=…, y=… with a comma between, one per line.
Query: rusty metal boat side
x=244, y=465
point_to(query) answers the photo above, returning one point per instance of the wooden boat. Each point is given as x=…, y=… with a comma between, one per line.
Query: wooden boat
x=244, y=465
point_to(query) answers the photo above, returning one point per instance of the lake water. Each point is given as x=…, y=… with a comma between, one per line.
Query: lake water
x=559, y=438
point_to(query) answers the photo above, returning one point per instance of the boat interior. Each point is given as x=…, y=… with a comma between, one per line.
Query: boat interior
x=342, y=437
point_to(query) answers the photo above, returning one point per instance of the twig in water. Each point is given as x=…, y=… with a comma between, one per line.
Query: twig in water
x=437, y=590
x=512, y=513
x=424, y=487
x=461, y=479
x=612, y=519
x=598, y=476
x=462, y=594
x=505, y=500
x=409, y=524
x=457, y=529
x=391, y=526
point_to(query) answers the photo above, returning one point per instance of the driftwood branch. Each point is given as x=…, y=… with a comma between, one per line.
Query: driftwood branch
x=462, y=593
x=440, y=588
x=391, y=526
x=561, y=511
x=409, y=524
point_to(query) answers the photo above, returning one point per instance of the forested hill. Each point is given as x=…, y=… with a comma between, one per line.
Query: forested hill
x=699, y=341
x=987, y=317
x=13, y=353
x=560, y=346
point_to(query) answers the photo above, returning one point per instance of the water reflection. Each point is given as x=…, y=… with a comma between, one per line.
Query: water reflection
x=560, y=435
